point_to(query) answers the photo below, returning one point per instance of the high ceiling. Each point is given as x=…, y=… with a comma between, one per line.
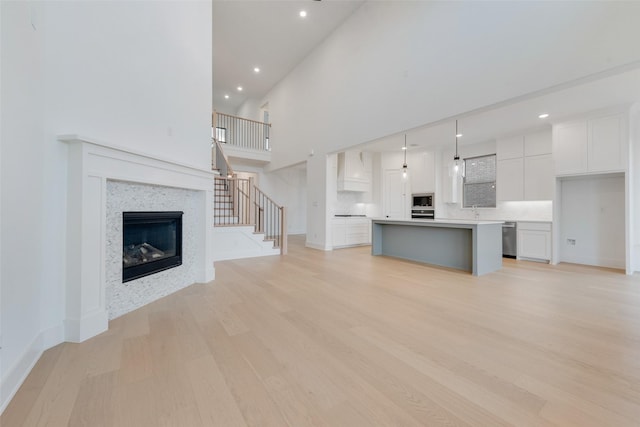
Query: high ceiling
x=269, y=34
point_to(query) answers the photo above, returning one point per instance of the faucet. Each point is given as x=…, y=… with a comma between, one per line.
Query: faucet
x=476, y=214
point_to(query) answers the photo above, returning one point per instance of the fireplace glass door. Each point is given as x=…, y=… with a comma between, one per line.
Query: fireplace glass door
x=151, y=242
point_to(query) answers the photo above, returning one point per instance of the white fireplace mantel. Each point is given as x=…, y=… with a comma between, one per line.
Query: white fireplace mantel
x=91, y=164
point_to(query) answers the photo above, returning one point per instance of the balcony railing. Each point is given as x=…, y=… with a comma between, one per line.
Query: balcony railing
x=240, y=132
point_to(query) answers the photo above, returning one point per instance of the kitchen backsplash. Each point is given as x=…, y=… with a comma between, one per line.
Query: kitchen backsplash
x=519, y=211
x=350, y=203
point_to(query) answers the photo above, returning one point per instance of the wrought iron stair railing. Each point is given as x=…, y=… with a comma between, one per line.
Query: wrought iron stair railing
x=239, y=202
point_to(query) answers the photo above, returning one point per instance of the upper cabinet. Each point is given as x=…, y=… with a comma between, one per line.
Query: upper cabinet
x=422, y=172
x=510, y=148
x=593, y=145
x=525, y=167
x=354, y=171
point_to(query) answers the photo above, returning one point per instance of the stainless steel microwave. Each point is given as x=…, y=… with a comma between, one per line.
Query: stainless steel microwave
x=422, y=200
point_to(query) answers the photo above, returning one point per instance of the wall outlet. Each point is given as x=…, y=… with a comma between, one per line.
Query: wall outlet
x=571, y=242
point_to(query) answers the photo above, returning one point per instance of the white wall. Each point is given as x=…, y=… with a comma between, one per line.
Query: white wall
x=634, y=184
x=23, y=189
x=287, y=187
x=135, y=74
x=138, y=76
x=321, y=187
x=592, y=212
x=394, y=66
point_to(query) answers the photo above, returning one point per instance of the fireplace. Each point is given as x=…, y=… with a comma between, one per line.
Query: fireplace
x=151, y=242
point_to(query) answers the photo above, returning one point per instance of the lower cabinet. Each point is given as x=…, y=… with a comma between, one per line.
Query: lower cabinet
x=534, y=241
x=351, y=231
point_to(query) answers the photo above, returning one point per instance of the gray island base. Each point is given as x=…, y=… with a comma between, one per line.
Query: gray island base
x=474, y=246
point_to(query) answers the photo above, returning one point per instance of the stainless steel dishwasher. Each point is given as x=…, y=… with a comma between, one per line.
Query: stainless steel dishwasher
x=510, y=239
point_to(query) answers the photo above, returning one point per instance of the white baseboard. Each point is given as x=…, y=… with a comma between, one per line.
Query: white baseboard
x=52, y=336
x=92, y=324
x=317, y=246
x=15, y=376
x=597, y=262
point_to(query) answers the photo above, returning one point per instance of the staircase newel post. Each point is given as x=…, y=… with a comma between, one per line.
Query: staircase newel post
x=283, y=230
x=252, y=203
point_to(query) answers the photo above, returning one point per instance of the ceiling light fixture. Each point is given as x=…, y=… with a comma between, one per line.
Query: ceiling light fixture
x=543, y=116
x=239, y=88
x=256, y=69
x=456, y=158
x=455, y=168
x=404, y=165
x=303, y=14
x=226, y=97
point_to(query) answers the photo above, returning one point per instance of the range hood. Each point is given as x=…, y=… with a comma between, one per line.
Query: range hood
x=352, y=174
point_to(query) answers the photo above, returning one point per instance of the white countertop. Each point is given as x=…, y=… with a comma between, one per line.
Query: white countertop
x=441, y=221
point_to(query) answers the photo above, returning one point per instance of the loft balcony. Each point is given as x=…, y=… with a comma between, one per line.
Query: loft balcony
x=242, y=139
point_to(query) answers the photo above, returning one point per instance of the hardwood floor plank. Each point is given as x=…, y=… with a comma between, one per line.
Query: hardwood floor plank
x=137, y=360
x=94, y=406
x=215, y=402
x=253, y=400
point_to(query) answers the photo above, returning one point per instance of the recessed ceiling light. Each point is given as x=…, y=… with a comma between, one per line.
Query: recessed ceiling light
x=226, y=97
x=239, y=88
x=458, y=135
x=256, y=70
x=303, y=14
x=404, y=148
x=543, y=116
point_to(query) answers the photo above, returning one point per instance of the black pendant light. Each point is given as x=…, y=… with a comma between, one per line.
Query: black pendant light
x=404, y=165
x=456, y=157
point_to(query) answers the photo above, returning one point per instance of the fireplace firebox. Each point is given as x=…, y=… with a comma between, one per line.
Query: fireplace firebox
x=151, y=242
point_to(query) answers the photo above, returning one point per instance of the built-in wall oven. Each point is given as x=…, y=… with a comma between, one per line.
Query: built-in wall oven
x=423, y=206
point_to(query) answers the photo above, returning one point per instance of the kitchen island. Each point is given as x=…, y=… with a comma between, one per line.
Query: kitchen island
x=474, y=246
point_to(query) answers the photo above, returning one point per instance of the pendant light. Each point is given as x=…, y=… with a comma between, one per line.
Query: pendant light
x=405, y=169
x=456, y=158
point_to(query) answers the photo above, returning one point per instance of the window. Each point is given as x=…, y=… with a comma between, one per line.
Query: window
x=479, y=186
x=221, y=134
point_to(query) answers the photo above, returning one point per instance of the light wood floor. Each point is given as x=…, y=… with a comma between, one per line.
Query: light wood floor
x=346, y=339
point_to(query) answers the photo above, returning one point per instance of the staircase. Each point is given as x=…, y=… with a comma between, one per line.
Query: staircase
x=247, y=223
x=223, y=212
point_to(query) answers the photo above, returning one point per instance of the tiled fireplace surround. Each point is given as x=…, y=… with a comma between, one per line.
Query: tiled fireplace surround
x=105, y=180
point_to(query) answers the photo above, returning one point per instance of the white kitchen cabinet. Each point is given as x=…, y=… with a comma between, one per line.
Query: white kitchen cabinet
x=570, y=148
x=536, y=144
x=350, y=231
x=422, y=172
x=529, y=176
x=339, y=232
x=534, y=241
x=538, y=177
x=606, y=144
x=509, y=179
x=358, y=231
x=510, y=148
x=591, y=145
